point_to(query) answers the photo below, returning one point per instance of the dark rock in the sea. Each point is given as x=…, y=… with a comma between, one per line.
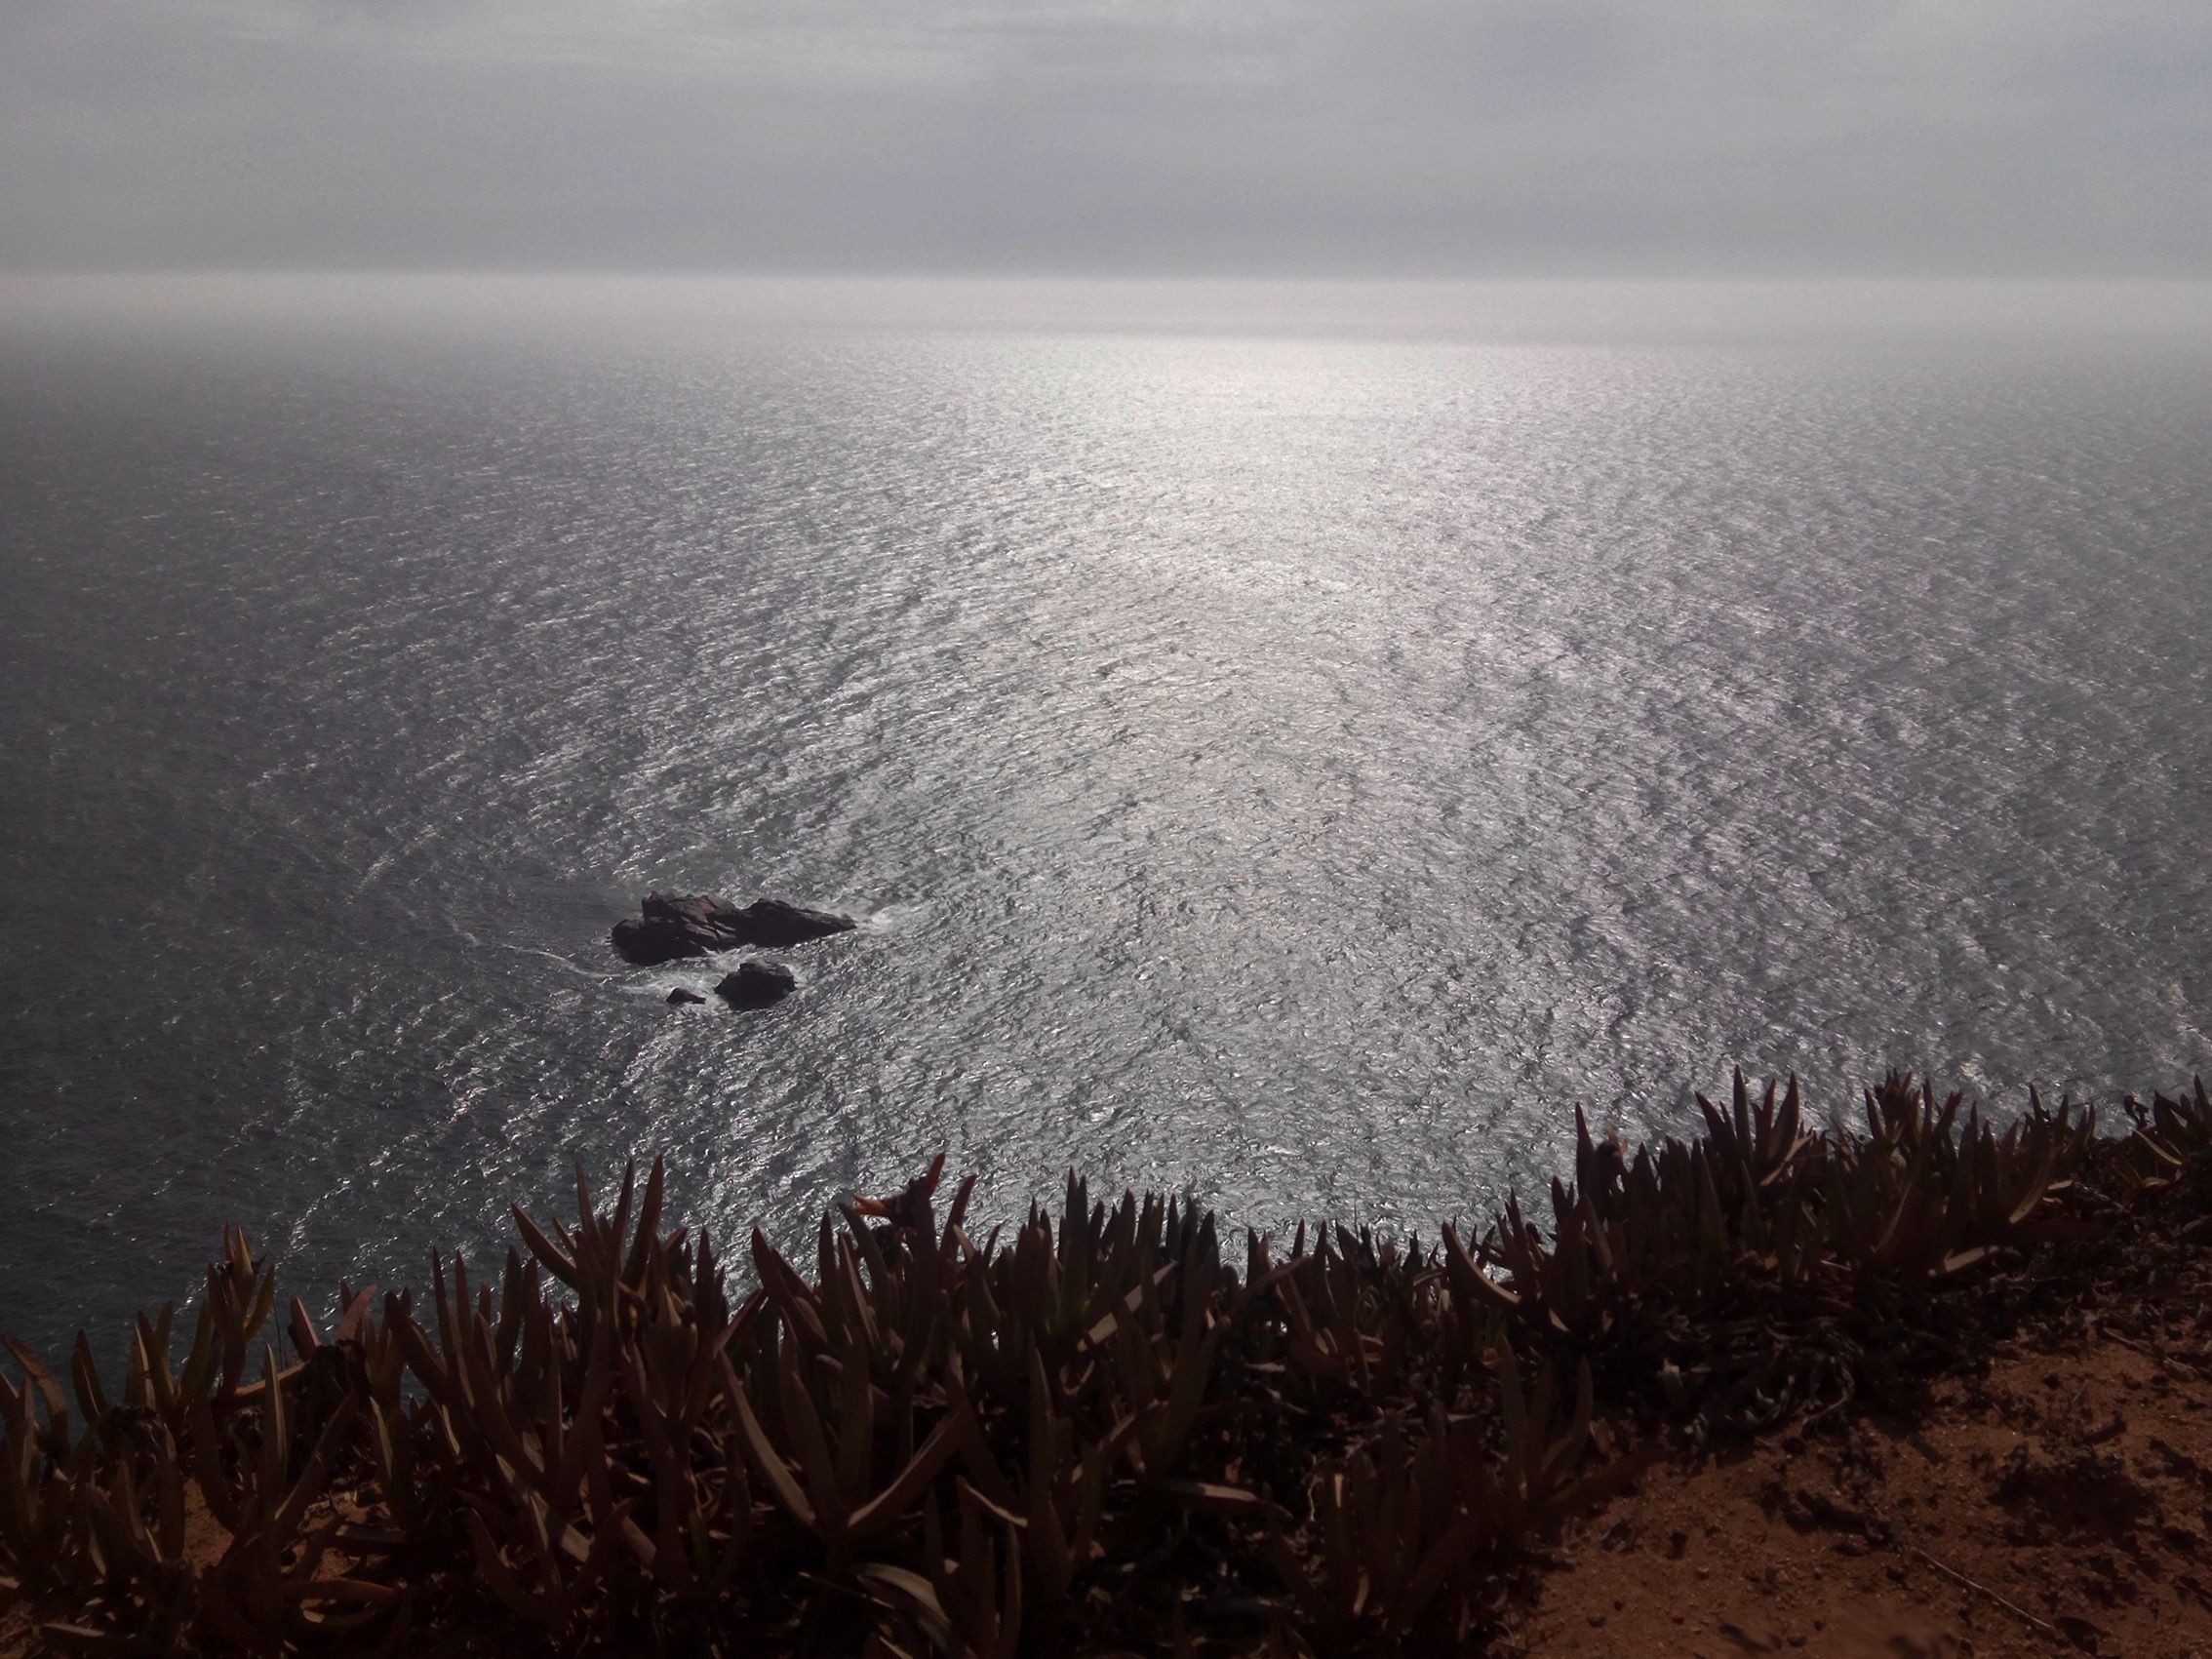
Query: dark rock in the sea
x=694, y=911
x=756, y=985
x=679, y=996
x=771, y=922
x=648, y=943
x=675, y=925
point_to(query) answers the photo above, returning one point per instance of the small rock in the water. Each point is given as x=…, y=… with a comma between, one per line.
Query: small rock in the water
x=679, y=996
x=675, y=925
x=756, y=985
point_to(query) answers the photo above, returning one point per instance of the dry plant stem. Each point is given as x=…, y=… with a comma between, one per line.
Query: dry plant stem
x=2013, y=1607
x=2179, y=1364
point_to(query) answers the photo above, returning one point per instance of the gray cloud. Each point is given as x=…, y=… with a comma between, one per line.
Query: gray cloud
x=1414, y=136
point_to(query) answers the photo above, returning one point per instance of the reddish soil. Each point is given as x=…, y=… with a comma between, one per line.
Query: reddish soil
x=2060, y=1503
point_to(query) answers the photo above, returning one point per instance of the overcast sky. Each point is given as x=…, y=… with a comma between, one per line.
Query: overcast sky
x=1292, y=137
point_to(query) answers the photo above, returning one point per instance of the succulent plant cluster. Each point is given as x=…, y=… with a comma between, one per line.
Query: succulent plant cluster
x=1090, y=1433
x=2171, y=1148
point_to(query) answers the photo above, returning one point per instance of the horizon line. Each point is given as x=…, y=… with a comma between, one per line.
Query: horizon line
x=1748, y=277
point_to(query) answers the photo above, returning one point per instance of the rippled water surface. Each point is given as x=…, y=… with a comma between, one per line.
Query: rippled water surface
x=1290, y=756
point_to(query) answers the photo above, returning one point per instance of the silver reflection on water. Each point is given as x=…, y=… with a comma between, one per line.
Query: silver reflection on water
x=1286, y=743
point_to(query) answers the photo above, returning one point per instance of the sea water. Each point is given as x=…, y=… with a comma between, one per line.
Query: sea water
x=1287, y=743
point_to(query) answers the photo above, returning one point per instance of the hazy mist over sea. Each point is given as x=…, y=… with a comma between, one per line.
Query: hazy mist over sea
x=1285, y=741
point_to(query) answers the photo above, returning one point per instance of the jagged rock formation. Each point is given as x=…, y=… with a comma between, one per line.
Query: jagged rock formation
x=675, y=925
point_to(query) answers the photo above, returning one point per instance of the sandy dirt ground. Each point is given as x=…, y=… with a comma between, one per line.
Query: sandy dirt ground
x=2062, y=1503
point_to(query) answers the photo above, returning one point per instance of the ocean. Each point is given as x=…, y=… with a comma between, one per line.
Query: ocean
x=1286, y=743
